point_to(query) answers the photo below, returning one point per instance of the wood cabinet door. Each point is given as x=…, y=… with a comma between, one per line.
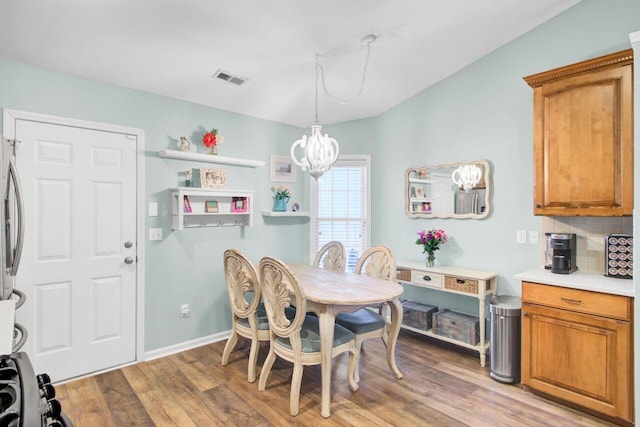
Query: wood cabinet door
x=583, y=359
x=583, y=141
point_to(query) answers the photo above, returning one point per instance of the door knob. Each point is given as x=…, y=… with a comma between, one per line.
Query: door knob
x=128, y=260
x=128, y=244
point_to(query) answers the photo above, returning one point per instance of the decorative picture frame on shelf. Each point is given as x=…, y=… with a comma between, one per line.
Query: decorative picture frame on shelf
x=419, y=192
x=239, y=204
x=213, y=178
x=186, y=204
x=281, y=169
x=211, y=206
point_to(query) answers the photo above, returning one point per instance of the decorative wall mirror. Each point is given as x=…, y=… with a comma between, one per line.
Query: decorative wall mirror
x=430, y=191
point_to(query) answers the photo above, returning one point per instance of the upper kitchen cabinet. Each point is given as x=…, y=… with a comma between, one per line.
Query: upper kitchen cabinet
x=583, y=138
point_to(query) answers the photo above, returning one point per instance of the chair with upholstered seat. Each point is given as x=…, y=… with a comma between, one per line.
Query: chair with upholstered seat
x=364, y=323
x=331, y=257
x=296, y=340
x=249, y=318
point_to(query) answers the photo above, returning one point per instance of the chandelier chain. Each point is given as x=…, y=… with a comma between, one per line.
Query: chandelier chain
x=324, y=85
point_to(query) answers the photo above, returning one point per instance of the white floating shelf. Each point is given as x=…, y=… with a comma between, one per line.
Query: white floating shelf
x=208, y=158
x=288, y=213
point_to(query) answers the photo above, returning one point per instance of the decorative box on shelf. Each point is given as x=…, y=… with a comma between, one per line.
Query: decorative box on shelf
x=457, y=326
x=418, y=315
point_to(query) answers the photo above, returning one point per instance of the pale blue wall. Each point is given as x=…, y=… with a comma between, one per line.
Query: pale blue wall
x=186, y=267
x=483, y=111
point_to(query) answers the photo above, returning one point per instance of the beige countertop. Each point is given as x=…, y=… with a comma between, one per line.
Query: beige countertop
x=596, y=282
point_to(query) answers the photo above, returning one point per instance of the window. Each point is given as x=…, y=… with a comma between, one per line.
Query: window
x=340, y=207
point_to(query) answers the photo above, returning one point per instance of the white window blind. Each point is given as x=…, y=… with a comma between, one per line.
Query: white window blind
x=340, y=208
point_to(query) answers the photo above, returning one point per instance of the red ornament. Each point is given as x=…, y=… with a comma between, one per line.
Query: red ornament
x=209, y=139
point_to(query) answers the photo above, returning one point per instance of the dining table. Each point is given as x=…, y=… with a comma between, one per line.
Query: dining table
x=329, y=293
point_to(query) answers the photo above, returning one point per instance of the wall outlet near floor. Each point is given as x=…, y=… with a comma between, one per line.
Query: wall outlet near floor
x=184, y=310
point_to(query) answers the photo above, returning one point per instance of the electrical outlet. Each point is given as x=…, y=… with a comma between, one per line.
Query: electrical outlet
x=533, y=237
x=184, y=310
x=155, y=234
x=521, y=236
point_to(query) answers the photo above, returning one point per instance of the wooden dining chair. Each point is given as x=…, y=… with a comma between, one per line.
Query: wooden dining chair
x=249, y=318
x=296, y=340
x=331, y=257
x=376, y=262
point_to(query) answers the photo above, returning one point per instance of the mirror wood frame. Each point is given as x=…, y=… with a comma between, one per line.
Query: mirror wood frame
x=419, y=174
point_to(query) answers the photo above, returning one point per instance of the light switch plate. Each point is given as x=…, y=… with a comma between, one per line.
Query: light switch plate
x=153, y=208
x=533, y=237
x=521, y=236
x=155, y=234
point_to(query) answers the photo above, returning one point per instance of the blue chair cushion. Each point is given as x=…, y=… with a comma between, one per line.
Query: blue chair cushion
x=361, y=321
x=310, y=336
x=290, y=312
x=261, y=313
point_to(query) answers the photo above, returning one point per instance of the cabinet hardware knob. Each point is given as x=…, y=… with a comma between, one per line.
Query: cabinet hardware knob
x=426, y=278
x=128, y=244
x=128, y=260
x=571, y=301
x=460, y=281
x=538, y=205
x=525, y=313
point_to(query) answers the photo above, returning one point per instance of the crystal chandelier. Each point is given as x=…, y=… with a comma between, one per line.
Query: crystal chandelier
x=467, y=176
x=320, y=151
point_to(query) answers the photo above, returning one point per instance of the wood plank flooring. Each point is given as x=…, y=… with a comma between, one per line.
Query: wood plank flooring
x=442, y=386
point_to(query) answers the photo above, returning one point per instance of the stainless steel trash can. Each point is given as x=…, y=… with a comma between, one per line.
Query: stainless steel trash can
x=505, y=338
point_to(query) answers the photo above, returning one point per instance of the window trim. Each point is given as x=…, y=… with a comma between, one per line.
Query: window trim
x=343, y=160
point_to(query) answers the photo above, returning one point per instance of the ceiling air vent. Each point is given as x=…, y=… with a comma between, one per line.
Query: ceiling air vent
x=228, y=77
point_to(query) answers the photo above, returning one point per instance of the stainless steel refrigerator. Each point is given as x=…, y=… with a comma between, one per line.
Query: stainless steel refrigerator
x=12, y=232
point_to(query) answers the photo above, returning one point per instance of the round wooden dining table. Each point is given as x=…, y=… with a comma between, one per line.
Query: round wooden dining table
x=329, y=293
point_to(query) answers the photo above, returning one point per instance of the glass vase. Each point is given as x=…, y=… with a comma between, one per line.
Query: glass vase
x=213, y=150
x=431, y=258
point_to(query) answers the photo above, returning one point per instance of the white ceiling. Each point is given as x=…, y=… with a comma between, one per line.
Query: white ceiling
x=173, y=48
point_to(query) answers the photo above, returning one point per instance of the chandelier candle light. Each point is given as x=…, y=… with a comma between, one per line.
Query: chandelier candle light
x=321, y=151
x=467, y=176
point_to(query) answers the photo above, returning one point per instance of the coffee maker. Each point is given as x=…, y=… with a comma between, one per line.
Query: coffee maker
x=563, y=250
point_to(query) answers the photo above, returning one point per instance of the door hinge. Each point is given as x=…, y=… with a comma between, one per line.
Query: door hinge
x=13, y=143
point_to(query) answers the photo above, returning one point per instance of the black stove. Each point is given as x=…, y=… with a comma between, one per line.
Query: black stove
x=27, y=399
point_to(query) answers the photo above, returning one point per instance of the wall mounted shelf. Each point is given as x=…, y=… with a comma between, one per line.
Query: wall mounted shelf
x=288, y=213
x=189, y=208
x=209, y=158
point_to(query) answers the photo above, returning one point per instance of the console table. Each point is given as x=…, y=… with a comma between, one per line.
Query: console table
x=471, y=283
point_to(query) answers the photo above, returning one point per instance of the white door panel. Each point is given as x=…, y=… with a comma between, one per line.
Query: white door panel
x=79, y=190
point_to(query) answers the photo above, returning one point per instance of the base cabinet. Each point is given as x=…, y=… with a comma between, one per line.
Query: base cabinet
x=577, y=346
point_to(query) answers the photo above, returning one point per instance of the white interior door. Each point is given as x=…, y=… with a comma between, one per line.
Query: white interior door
x=79, y=259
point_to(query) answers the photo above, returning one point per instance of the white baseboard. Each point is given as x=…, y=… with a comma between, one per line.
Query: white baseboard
x=184, y=346
x=161, y=352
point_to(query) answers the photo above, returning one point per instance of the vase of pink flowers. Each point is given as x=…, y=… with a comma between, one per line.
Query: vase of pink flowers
x=430, y=240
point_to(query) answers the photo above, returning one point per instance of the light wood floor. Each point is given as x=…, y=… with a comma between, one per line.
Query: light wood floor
x=442, y=386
